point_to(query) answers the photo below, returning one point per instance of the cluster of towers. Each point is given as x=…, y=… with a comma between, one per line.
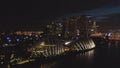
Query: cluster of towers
x=73, y=27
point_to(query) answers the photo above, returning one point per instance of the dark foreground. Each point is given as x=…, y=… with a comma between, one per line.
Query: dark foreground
x=105, y=56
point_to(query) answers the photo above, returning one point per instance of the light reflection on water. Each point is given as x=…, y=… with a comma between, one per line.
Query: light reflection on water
x=71, y=61
x=48, y=65
x=87, y=55
x=108, y=54
x=113, y=44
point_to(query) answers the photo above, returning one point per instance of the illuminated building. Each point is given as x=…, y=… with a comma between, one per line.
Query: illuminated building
x=94, y=28
x=78, y=26
x=114, y=34
x=54, y=29
x=28, y=32
x=70, y=27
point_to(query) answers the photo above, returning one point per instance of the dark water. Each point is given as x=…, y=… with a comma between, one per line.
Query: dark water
x=105, y=56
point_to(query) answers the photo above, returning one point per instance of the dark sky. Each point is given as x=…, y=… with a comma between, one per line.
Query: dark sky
x=36, y=13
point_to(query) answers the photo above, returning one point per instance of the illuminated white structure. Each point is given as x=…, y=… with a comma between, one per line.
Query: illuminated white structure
x=60, y=48
x=81, y=45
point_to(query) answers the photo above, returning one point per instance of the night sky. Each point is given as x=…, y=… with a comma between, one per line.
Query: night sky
x=15, y=14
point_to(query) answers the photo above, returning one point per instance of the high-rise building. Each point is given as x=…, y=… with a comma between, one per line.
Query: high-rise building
x=72, y=27
x=77, y=26
x=94, y=28
x=54, y=29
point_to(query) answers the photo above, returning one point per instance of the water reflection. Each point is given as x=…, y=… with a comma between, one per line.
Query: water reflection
x=48, y=65
x=116, y=44
x=86, y=56
x=72, y=61
x=103, y=57
x=113, y=44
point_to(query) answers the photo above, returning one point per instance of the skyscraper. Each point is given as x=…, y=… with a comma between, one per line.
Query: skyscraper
x=54, y=29
x=77, y=26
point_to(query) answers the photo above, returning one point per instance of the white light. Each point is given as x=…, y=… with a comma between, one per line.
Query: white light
x=8, y=38
x=59, y=34
x=92, y=29
x=42, y=43
x=17, y=40
x=109, y=34
x=2, y=62
x=66, y=43
x=36, y=36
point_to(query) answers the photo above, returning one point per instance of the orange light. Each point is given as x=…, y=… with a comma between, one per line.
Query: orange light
x=66, y=49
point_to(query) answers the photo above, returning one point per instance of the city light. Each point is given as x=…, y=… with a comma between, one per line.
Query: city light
x=67, y=43
x=58, y=39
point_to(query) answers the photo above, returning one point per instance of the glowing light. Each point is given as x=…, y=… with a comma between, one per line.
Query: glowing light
x=42, y=44
x=108, y=34
x=27, y=37
x=59, y=34
x=30, y=34
x=5, y=45
x=66, y=43
x=8, y=38
x=17, y=40
x=92, y=29
x=40, y=35
x=36, y=36
x=66, y=49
